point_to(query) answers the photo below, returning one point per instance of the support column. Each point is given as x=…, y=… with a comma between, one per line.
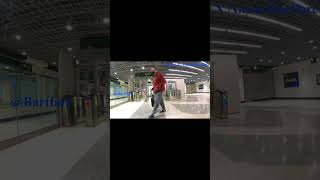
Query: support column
x=226, y=77
x=96, y=79
x=66, y=77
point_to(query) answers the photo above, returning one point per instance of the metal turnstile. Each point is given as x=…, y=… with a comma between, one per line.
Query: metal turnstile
x=80, y=109
x=220, y=106
x=88, y=111
x=66, y=111
x=95, y=110
x=91, y=109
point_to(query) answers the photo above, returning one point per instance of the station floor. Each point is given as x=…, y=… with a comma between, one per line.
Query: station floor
x=64, y=154
x=192, y=106
x=12, y=128
x=274, y=139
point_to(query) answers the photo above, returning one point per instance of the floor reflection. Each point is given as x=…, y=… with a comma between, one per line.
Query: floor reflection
x=269, y=149
x=278, y=140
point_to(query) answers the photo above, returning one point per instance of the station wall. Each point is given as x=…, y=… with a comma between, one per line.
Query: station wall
x=308, y=87
x=258, y=86
x=205, y=87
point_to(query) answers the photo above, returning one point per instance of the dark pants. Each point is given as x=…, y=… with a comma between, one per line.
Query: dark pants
x=158, y=100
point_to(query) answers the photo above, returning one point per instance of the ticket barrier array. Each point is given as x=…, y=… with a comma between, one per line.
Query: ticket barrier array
x=168, y=95
x=220, y=104
x=137, y=96
x=177, y=94
x=91, y=111
x=173, y=94
x=80, y=109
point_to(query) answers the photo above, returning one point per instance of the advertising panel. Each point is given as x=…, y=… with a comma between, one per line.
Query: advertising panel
x=291, y=80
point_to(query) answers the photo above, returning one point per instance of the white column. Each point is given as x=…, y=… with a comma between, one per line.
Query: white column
x=226, y=77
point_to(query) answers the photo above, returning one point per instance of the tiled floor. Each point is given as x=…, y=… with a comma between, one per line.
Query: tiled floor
x=10, y=129
x=60, y=155
x=191, y=106
x=277, y=139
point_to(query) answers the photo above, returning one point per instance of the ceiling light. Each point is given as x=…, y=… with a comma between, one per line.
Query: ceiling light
x=227, y=51
x=54, y=63
x=106, y=20
x=282, y=62
x=314, y=47
x=177, y=70
x=142, y=67
x=310, y=41
x=236, y=44
x=172, y=77
x=69, y=27
x=205, y=63
x=258, y=17
x=115, y=73
x=303, y=5
x=244, y=33
x=24, y=53
x=299, y=58
x=300, y=3
x=6, y=67
x=131, y=70
x=177, y=75
x=269, y=61
x=260, y=60
x=183, y=65
x=69, y=49
x=282, y=52
x=18, y=37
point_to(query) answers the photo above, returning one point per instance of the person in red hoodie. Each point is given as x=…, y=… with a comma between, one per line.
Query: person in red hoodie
x=159, y=83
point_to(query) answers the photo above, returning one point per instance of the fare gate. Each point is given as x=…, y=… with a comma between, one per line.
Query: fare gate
x=220, y=106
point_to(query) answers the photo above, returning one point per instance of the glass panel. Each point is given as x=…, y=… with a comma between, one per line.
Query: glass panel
x=40, y=112
x=8, y=121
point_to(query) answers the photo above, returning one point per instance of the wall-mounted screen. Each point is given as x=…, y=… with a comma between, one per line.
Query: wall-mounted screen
x=200, y=86
x=291, y=80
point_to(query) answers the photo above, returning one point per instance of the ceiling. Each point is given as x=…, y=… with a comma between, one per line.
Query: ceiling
x=293, y=45
x=41, y=28
x=122, y=69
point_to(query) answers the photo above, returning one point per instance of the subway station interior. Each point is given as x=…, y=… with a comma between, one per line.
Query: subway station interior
x=272, y=77
x=187, y=94
x=53, y=52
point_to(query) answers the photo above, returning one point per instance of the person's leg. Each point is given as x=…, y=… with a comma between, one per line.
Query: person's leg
x=156, y=102
x=162, y=103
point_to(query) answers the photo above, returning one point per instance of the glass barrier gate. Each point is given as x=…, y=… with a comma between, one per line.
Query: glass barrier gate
x=18, y=117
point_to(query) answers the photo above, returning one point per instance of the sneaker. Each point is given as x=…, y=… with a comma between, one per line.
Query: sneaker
x=163, y=110
x=151, y=116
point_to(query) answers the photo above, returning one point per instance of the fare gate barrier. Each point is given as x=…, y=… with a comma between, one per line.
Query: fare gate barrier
x=80, y=109
x=220, y=106
x=91, y=109
x=168, y=95
x=69, y=111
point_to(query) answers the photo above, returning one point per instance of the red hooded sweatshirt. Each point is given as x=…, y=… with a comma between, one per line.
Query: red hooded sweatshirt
x=159, y=83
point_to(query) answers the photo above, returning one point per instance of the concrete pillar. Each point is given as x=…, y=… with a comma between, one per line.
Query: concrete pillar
x=226, y=77
x=96, y=80
x=66, y=76
x=108, y=89
x=212, y=87
x=130, y=84
x=77, y=78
